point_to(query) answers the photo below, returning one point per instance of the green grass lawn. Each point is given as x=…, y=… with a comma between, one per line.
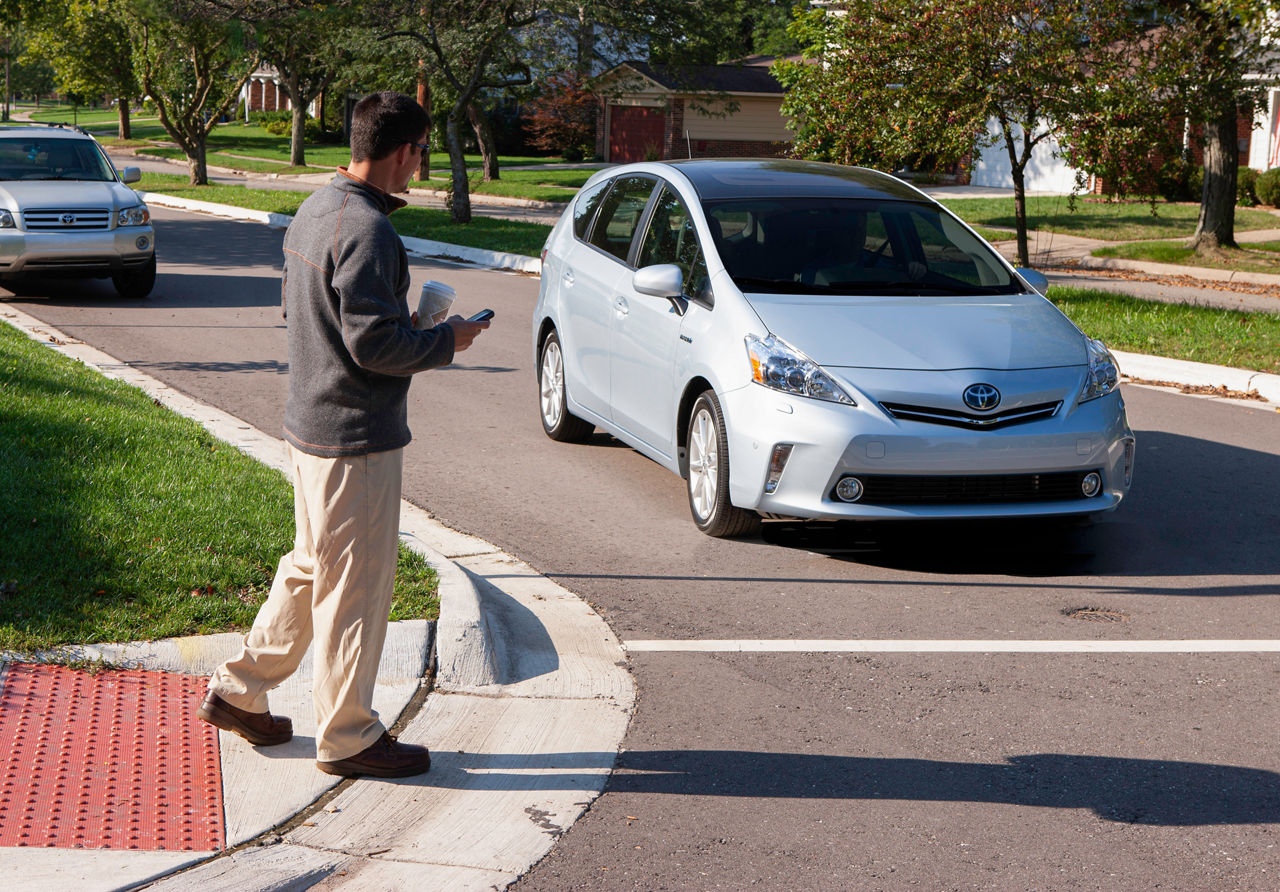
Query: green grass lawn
x=1255, y=257
x=538, y=185
x=1108, y=221
x=490, y=233
x=124, y=521
x=83, y=115
x=1178, y=331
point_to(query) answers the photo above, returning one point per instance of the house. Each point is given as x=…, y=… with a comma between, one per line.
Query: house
x=262, y=92
x=650, y=111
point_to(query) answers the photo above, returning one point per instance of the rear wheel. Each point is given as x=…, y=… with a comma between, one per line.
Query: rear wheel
x=553, y=404
x=136, y=284
x=708, y=450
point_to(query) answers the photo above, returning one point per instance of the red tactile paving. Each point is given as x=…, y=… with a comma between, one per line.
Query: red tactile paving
x=110, y=760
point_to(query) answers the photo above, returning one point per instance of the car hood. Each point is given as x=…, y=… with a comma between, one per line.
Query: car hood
x=21, y=194
x=1007, y=331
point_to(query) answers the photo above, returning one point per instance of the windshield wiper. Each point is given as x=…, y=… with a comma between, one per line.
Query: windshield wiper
x=777, y=286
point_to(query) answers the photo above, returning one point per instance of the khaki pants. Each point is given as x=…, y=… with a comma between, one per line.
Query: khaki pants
x=335, y=589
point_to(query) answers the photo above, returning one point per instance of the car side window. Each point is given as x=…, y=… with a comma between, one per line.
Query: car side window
x=671, y=238
x=620, y=215
x=584, y=206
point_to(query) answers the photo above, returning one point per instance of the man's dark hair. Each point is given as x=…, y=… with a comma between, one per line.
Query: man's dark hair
x=382, y=122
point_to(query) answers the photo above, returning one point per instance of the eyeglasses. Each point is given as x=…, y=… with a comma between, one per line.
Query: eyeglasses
x=422, y=146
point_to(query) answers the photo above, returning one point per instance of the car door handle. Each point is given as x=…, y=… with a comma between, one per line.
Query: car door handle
x=567, y=278
x=620, y=304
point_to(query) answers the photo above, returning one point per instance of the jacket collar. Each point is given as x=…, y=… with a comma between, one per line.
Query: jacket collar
x=386, y=202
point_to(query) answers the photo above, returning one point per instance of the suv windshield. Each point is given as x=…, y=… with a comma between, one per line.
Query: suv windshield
x=851, y=246
x=38, y=157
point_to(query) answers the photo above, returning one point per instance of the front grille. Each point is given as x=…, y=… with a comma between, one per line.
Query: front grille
x=929, y=415
x=970, y=489
x=55, y=219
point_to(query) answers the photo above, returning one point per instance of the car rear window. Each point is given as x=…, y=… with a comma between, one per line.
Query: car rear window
x=584, y=206
x=851, y=246
x=39, y=157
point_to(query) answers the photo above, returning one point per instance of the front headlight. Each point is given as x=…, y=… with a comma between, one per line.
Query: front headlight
x=1104, y=371
x=6, y=220
x=778, y=366
x=134, y=216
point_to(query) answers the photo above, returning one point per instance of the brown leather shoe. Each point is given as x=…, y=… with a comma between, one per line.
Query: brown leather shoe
x=259, y=728
x=387, y=757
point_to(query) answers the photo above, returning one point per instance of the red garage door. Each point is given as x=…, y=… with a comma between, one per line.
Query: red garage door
x=634, y=132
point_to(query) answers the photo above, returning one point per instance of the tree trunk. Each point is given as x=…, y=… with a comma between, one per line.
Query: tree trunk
x=1215, y=228
x=297, y=150
x=424, y=100
x=484, y=137
x=122, y=105
x=1018, y=172
x=197, y=163
x=460, y=197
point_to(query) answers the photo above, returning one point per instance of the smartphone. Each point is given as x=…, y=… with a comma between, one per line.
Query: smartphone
x=482, y=316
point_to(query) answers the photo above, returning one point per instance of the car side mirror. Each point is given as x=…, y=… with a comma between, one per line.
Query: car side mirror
x=660, y=280
x=130, y=175
x=1034, y=278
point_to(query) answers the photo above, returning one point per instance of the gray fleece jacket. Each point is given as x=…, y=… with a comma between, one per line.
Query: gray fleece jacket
x=352, y=349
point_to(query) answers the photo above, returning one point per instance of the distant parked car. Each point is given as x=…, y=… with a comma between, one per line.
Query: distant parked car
x=64, y=211
x=808, y=340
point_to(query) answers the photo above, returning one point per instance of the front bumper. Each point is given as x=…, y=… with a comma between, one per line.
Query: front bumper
x=831, y=441
x=76, y=253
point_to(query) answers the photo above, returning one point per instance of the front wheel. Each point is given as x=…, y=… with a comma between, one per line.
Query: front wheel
x=708, y=451
x=553, y=404
x=136, y=284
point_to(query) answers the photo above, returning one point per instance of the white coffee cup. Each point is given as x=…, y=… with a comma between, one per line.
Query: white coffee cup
x=436, y=298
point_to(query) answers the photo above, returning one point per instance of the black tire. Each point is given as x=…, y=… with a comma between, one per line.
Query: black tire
x=553, y=403
x=707, y=446
x=135, y=284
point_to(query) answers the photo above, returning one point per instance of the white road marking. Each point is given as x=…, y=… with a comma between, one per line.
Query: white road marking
x=889, y=645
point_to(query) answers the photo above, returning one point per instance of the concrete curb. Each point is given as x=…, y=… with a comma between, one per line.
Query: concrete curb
x=496, y=200
x=417, y=246
x=1199, y=273
x=530, y=707
x=1199, y=374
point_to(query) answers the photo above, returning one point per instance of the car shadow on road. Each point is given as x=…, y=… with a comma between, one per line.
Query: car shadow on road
x=1156, y=792
x=1196, y=508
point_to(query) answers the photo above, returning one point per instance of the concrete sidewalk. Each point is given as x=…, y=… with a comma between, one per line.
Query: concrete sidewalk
x=530, y=702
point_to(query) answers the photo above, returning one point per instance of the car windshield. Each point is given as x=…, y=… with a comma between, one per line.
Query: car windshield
x=38, y=157
x=851, y=246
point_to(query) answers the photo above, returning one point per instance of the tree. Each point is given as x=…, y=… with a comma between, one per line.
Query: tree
x=562, y=118
x=885, y=81
x=192, y=62
x=308, y=47
x=87, y=44
x=469, y=47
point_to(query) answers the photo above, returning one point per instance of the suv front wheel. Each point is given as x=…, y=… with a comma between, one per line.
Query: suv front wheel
x=136, y=284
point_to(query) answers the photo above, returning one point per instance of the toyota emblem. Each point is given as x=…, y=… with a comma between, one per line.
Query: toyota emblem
x=68, y=219
x=982, y=397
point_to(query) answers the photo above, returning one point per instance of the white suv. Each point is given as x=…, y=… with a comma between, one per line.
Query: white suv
x=65, y=211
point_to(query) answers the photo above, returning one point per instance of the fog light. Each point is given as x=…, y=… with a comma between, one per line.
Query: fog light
x=1091, y=485
x=142, y=243
x=777, y=462
x=1128, y=462
x=849, y=489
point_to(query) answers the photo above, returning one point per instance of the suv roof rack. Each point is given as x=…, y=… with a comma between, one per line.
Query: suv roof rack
x=60, y=124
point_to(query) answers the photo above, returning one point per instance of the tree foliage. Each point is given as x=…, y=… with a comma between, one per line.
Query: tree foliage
x=87, y=44
x=562, y=118
x=885, y=81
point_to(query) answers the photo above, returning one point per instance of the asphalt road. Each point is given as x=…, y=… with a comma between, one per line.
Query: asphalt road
x=831, y=770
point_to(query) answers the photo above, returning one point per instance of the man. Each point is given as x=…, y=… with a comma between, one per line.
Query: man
x=352, y=353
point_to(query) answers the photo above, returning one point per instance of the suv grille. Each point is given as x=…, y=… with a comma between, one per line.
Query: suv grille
x=66, y=219
x=1020, y=415
x=925, y=490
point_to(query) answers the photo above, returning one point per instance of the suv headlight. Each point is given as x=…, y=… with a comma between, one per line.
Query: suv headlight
x=1104, y=371
x=6, y=220
x=134, y=216
x=778, y=366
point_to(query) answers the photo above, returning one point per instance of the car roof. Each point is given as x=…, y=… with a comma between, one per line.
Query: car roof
x=716, y=179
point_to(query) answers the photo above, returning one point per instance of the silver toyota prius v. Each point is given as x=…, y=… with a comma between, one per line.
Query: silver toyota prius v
x=807, y=340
